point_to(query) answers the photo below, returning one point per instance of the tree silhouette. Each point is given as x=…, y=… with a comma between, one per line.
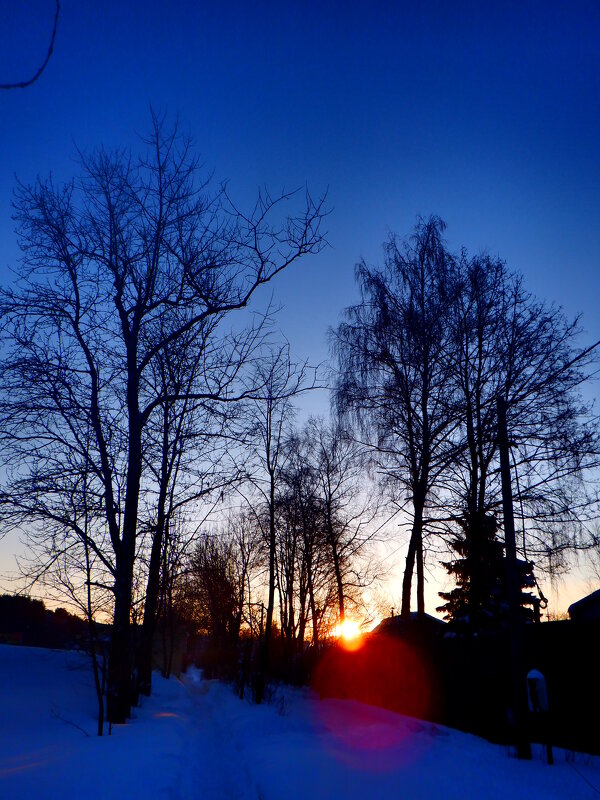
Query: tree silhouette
x=131, y=260
x=393, y=375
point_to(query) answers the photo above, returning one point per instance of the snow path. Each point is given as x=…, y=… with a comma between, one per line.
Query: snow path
x=176, y=747
x=211, y=763
x=195, y=740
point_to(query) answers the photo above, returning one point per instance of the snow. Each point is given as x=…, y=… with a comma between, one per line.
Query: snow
x=195, y=739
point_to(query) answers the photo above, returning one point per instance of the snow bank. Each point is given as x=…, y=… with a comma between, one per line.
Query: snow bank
x=195, y=739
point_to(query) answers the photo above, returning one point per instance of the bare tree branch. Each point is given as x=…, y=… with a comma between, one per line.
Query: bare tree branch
x=24, y=84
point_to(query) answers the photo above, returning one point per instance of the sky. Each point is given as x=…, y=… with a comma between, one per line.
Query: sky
x=487, y=115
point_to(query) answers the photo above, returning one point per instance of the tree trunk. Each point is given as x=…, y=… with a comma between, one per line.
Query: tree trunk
x=144, y=657
x=336, y=566
x=170, y=625
x=414, y=546
x=420, y=577
x=266, y=643
x=121, y=660
x=315, y=618
x=517, y=650
x=118, y=701
x=97, y=678
x=93, y=639
x=144, y=654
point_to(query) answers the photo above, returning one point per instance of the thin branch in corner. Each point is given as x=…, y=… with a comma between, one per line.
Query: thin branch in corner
x=25, y=84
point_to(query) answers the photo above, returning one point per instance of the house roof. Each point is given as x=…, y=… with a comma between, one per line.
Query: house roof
x=590, y=599
x=395, y=624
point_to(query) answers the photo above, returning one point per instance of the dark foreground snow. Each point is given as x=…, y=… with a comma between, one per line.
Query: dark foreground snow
x=195, y=739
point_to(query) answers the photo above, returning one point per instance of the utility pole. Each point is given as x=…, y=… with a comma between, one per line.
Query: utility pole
x=517, y=670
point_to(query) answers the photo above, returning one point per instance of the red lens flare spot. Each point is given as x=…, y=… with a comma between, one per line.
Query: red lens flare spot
x=385, y=672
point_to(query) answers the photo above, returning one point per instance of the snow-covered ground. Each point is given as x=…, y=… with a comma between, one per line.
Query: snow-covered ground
x=195, y=739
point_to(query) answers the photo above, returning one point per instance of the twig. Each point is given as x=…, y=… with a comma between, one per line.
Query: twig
x=25, y=84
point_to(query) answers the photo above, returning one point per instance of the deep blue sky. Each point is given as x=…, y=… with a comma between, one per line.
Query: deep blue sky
x=487, y=114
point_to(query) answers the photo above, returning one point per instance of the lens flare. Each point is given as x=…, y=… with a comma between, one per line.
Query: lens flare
x=383, y=671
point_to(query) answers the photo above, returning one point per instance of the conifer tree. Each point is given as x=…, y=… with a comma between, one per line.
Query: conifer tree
x=479, y=600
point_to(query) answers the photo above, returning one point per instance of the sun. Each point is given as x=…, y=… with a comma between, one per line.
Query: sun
x=350, y=629
x=349, y=634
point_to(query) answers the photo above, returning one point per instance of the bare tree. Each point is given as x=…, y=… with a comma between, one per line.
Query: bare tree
x=188, y=457
x=291, y=512
x=393, y=375
x=348, y=510
x=119, y=265
x=270, y=414
x=508, y=344
x=302, y=547
x=69, y=570
x=221, y=587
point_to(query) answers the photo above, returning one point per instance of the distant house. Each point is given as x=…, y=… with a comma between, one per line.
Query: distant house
x=586, y=609
x=395, y=625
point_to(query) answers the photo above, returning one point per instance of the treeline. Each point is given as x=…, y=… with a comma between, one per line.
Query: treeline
x=26, y=621
x=292, y=562
x=141, y=401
